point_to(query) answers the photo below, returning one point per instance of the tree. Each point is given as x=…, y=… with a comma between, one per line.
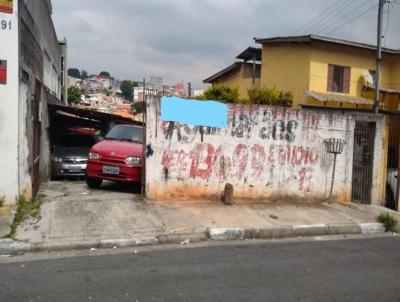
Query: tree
x=105, y=74
x=74, y=72
x=222, y=93
x=74, y=94
x=84, y=74
x=138, y=107
x=127, y=90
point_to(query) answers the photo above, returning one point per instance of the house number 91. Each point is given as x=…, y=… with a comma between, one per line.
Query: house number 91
x=5, y=25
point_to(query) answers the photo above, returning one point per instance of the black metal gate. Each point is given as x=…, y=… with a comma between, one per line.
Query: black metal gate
x=363, y=156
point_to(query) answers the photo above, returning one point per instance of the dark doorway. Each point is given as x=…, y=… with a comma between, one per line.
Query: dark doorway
x=363, y=157
x=392, y=180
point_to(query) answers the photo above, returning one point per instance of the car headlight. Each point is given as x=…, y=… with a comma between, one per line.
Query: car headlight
x=94, y=155
x=133, y=160
x=57, y=159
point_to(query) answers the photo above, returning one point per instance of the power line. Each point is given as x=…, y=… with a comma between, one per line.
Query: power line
x=317, y=18
x=328, y=13
x=285, y=53
x=334, y=17
x=335, y=21
x=389, y=10
x=351, y=21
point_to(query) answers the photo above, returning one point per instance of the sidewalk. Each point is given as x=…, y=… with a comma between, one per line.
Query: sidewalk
x=73, y=216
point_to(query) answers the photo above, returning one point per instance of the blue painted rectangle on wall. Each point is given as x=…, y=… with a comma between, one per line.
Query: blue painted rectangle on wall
x=192, y=112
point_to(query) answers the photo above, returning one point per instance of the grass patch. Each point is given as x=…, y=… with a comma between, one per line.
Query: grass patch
x=388, y=221
x=141, y=197
x=25, y=209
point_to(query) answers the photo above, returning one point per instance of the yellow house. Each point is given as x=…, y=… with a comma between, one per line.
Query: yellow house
x=244, y=74
x=336, y=74
x=325, y=71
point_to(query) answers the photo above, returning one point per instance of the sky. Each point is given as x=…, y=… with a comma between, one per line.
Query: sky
x=189, y=40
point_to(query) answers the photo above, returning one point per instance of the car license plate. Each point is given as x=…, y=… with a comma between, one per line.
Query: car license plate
x=74, y=170
x=110, y=170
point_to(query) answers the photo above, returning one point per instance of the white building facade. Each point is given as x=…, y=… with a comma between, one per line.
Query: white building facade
x=30, y=79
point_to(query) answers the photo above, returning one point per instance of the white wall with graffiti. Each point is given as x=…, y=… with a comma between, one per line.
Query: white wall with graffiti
x=265, y=153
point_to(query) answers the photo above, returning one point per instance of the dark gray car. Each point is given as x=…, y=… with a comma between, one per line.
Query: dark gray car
x=70, y=155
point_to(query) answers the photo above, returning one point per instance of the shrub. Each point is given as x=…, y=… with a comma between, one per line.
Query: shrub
x=262, y=96
x=222, y=93
x=388, y=221
x=267, y=96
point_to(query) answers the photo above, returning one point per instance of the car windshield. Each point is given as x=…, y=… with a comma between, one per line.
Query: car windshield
x=126, y=133
x=74, y=141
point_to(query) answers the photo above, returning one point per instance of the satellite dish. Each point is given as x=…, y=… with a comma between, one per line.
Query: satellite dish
x=369, y=78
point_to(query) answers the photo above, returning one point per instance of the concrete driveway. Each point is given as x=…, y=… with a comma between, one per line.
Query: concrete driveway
x=71, y=212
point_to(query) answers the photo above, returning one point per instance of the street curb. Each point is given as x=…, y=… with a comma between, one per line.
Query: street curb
x=184, y=238
x=312, y=230
x=11, y=247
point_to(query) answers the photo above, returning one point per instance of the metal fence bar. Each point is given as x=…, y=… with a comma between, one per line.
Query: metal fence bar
x=364, y=135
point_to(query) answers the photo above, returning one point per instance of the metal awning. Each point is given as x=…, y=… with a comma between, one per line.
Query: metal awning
x=91, y=114
x=334, y=97
x=386, y=90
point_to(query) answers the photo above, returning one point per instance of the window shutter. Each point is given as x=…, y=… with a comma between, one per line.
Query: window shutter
x=346, y=79
x=331, y=69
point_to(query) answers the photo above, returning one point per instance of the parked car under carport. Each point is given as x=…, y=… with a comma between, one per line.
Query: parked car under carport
x=70, y=154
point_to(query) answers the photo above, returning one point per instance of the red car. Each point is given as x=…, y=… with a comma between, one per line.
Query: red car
x=118, y=157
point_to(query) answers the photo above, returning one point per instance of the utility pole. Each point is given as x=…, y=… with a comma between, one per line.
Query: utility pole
x=378, y=56
x=143, y=188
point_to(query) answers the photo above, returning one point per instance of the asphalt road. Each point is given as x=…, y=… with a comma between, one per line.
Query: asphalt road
x=338, y=270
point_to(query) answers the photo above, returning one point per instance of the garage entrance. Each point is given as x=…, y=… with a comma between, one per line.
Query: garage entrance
x=73, y=131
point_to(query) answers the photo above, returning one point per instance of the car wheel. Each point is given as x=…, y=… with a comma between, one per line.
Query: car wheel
x=93, y=183
x=389, y=198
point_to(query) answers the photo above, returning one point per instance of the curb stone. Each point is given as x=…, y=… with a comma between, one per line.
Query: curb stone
x=179, y=238
x=310, y=230
x=227, y=233
x=9, y=246
x=63, y=246
x=295, y=231
x=372, y=228
x=139, y=241
x=347, y=228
